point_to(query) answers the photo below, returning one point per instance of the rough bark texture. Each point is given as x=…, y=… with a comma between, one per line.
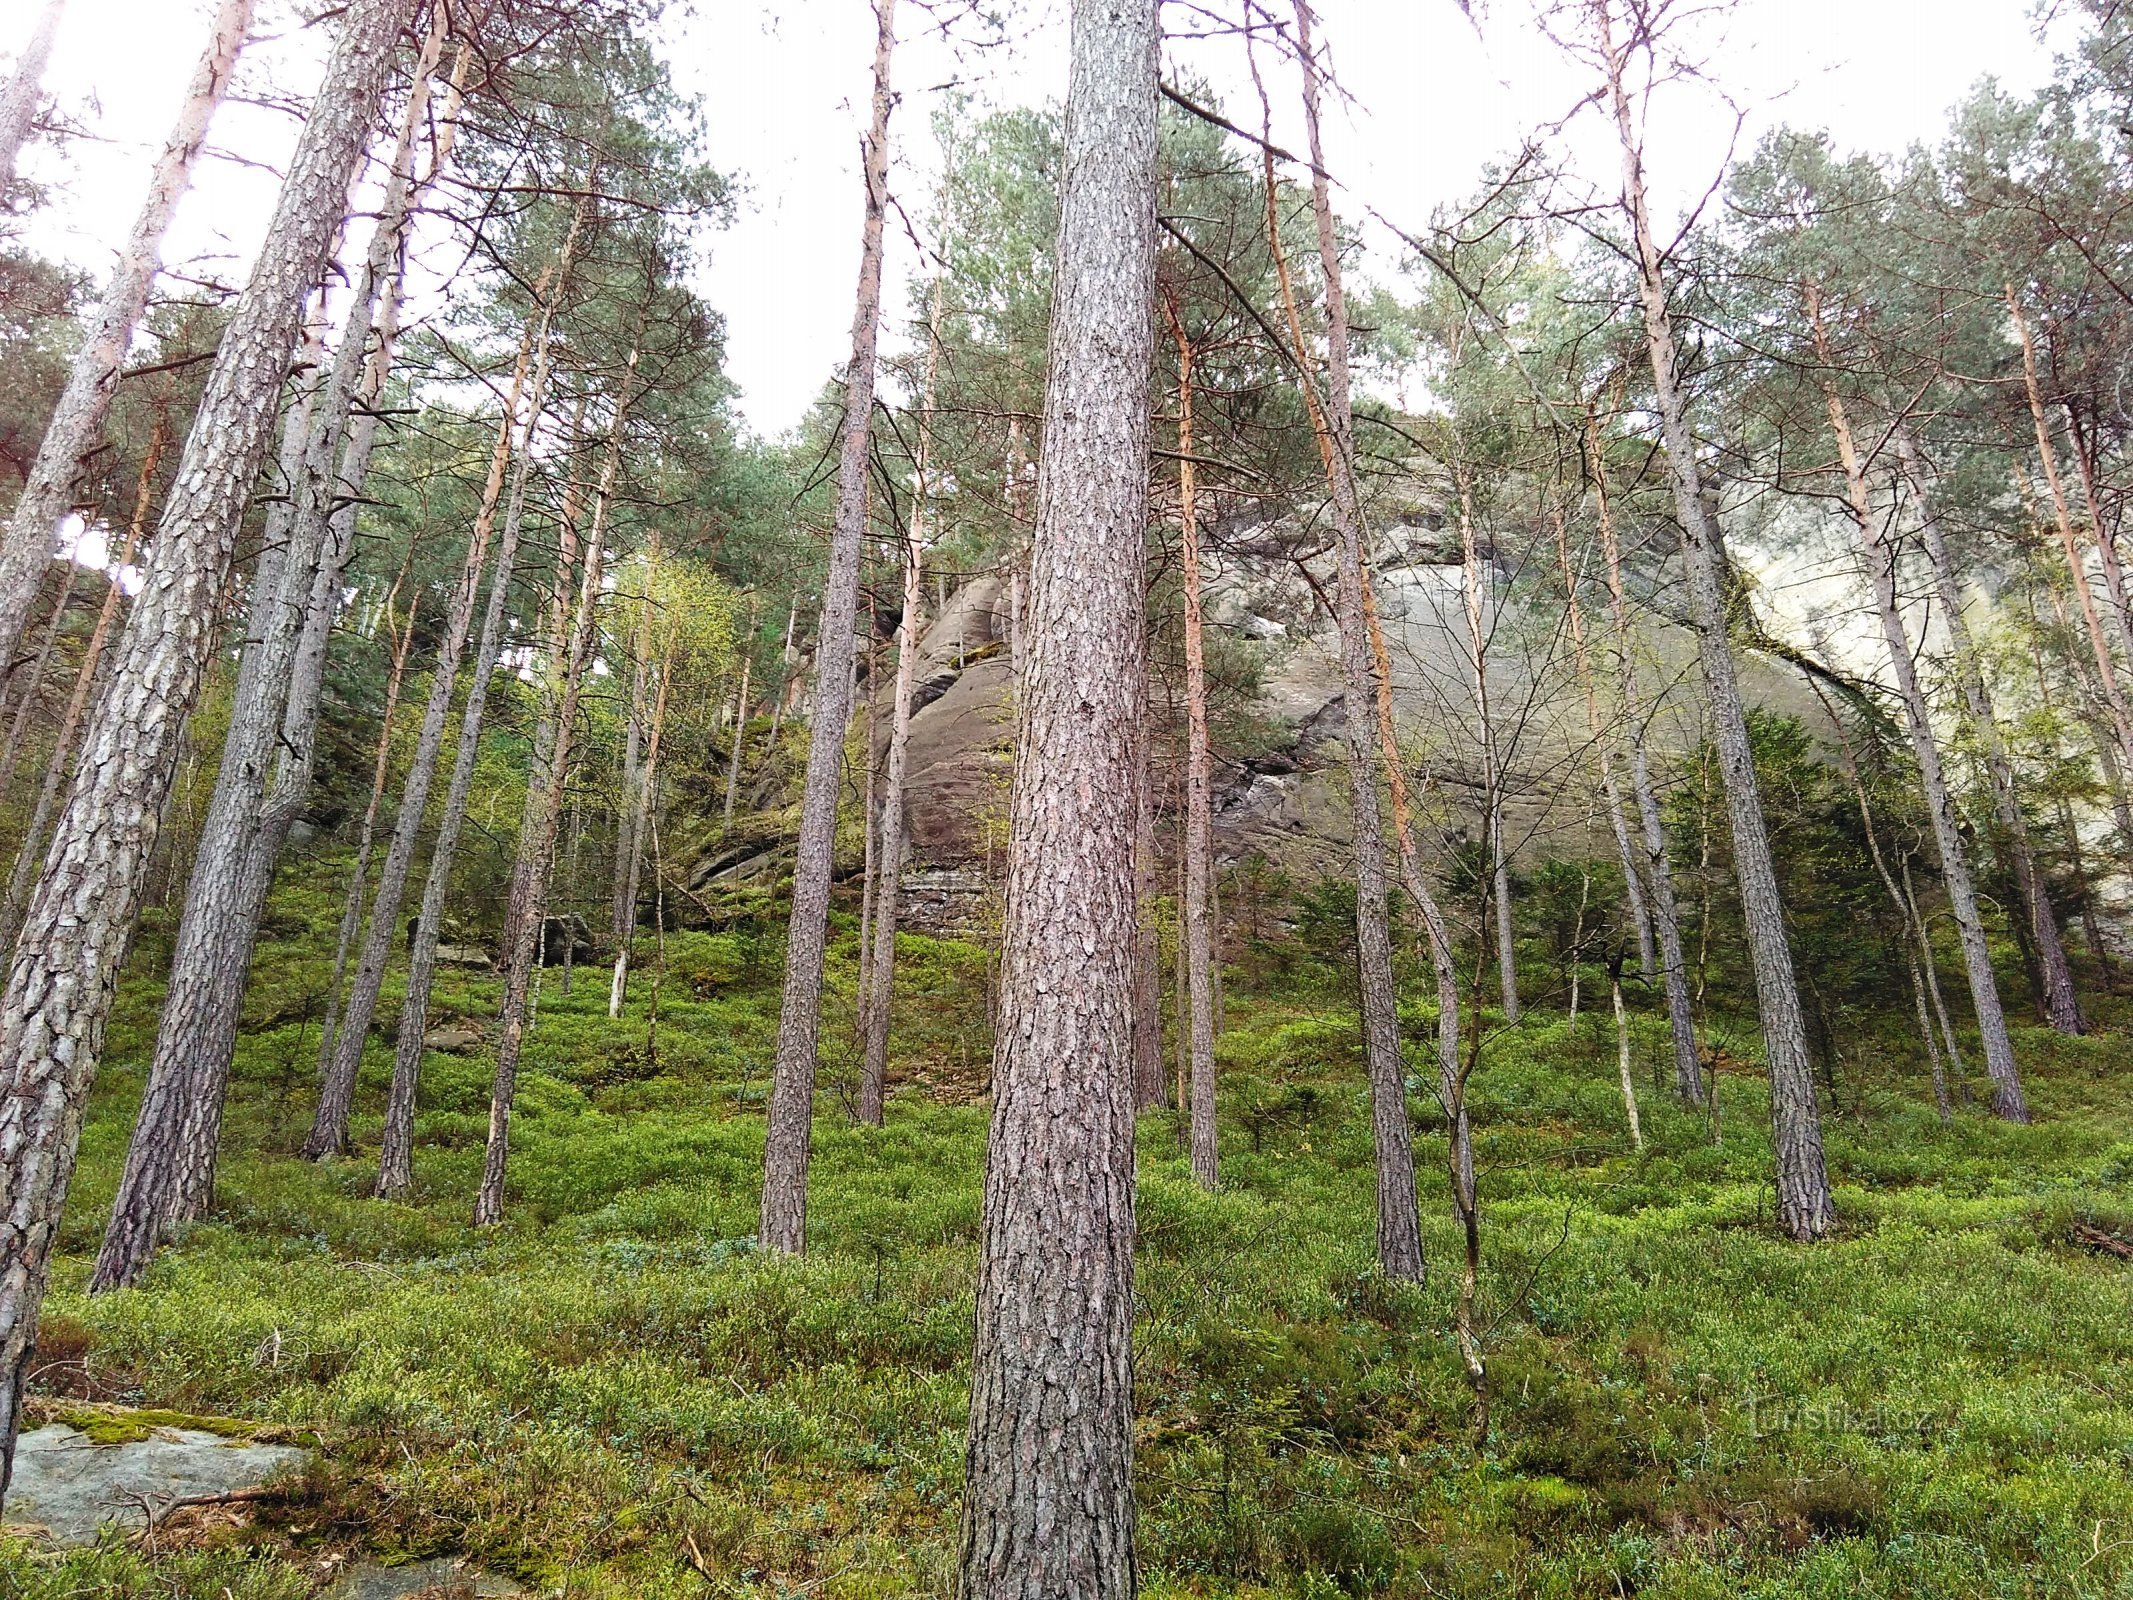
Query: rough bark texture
x=170, y=1164
x=86, y=677
x=880, y=983
x=1659, y=873
x=792, y=1094
x=647, y=788
x=65, y=969
x=1803, y=1202
x=2062, y=1008
x=25, y=88
x=77, y=422
x=1049, y=1506
x=2007, y=1098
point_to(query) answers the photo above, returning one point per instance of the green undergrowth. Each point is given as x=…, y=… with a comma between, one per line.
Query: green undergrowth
x=615, y=1394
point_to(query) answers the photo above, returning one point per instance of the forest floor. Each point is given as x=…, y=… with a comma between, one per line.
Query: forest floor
x=616, y=1395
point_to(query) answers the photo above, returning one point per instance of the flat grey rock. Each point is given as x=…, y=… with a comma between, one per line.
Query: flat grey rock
x=68, y=1486
x=443, y=1575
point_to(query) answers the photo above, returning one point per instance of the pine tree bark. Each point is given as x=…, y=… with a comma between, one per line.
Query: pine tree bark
x=2008, y=1101
x=1803, y=1201
x=60, y=986
x=524, y=921
x=2062, y=1007
x=170, y=1164
x=880, y=987
x=1048, y=1507
x=77, y=422
x=792, y=1094
x=1332, y=415
x=86, y=677
x=25, y=87
x=1199, y=807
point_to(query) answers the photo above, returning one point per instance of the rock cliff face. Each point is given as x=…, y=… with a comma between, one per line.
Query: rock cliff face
x=1281, y=789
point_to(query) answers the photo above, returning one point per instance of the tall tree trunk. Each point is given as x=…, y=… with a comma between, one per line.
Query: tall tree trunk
x=524, y=922
x=2062, y=1008
x=170, y=1164
x=25, y=88
x=1658, y=871
x=1918, y=946
x=329, y=1127
x=1049, y=1507
x=1150, y=1083
x=2077, y=566
x=740, y=726
x=889, y=853
x=65, y=970
x=648, y=777
x=1199, y=805
x=77, y=423
x=29, y=680
x=1604, y=754
x=792, y=1093
x=629, y=849
x=86, y=677
x=1333, y=427
x=366, y=836
x=1803, y=1201
x=622, y=902
x=1472, y=591
x=2007, y=1098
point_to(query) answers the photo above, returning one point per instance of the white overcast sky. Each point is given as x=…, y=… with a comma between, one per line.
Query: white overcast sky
x=1431, y=100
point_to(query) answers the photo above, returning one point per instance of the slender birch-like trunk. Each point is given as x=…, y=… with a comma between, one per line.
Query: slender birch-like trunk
x=366, y=836
x=329, y=1128
x=1151, y=1086
x=2008, y=1101
x=1199, y=807
x=889, y=852
x=1333, y=427
x=2062, y=1007
x=2114, y=697
x=1472, y=588
x=740, y=725
x=524, y=922
x=1604, y=754
x=1048, y=1506
x=1803, y=1201
x=77, y=424
x=65, y=968
x=792, y=1094
x=648, y=782
x=1658, y=871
